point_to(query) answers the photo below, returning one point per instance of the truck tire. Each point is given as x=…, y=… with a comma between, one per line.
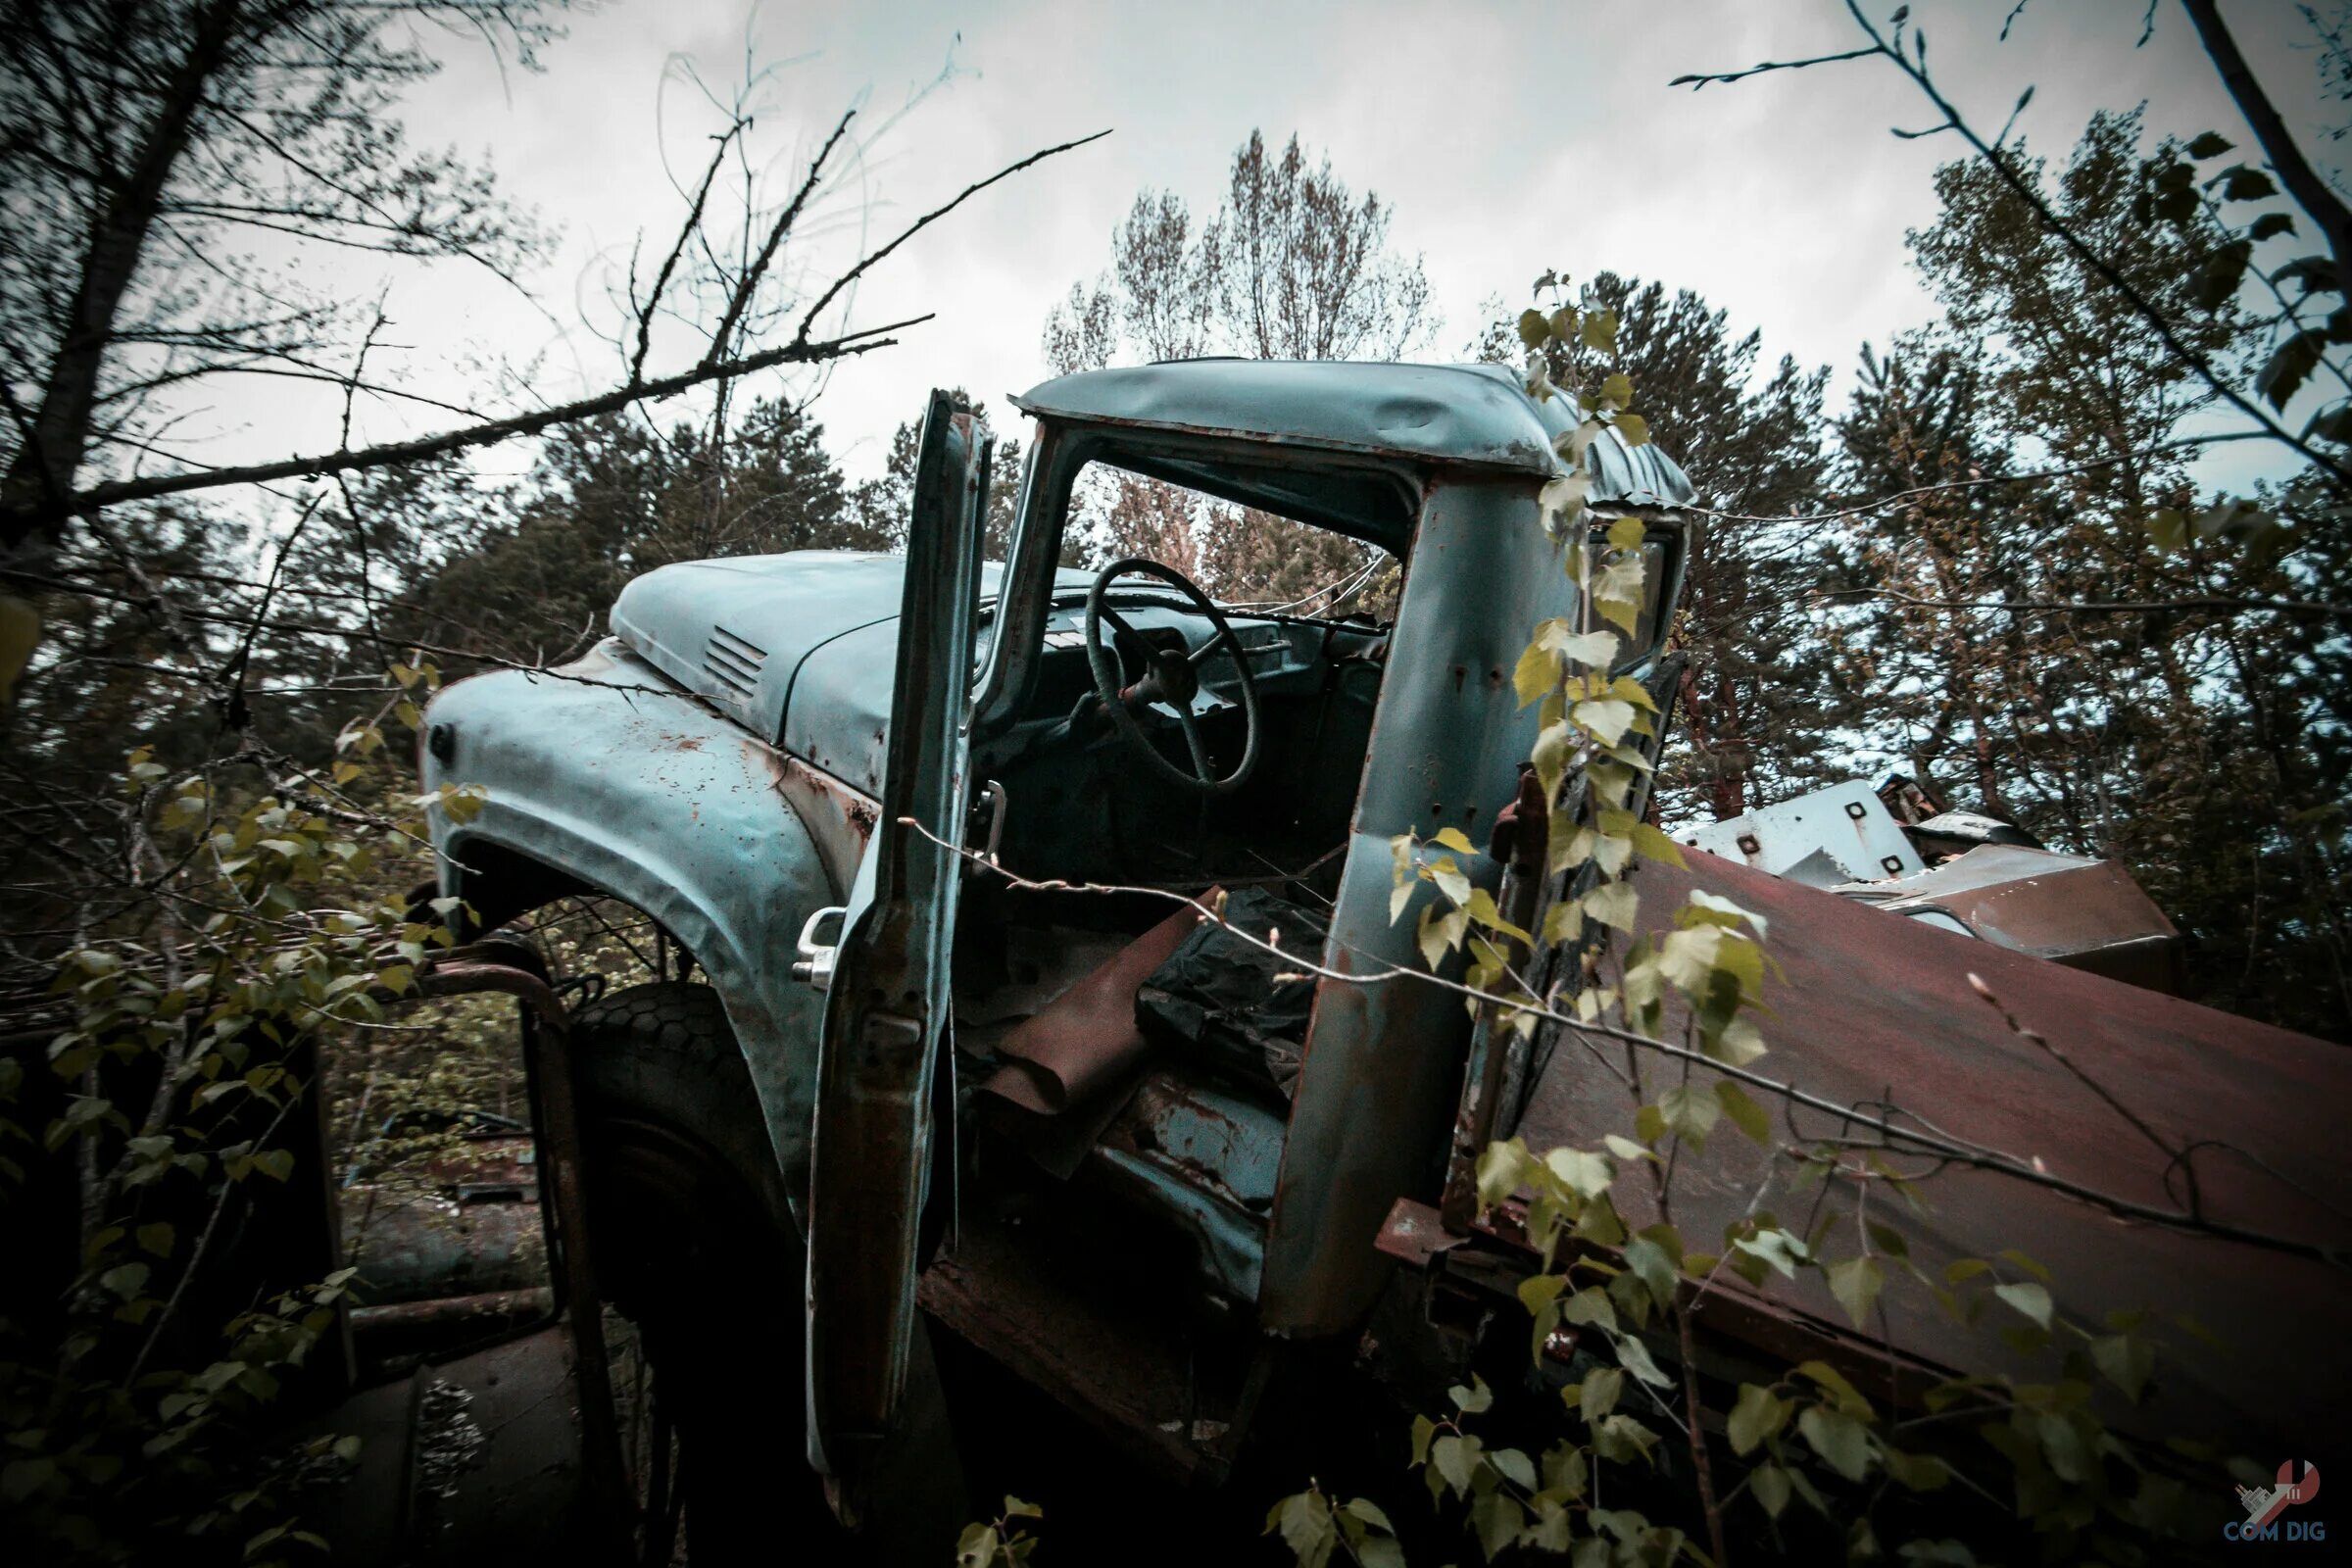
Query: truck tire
x=693, y=1243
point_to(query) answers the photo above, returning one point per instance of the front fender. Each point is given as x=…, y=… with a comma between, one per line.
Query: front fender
x=602, y=777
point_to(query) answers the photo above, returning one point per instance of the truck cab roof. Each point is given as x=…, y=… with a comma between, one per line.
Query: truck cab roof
x=1473, y=416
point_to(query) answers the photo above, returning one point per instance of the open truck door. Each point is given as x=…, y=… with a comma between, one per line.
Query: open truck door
x=885, y=1036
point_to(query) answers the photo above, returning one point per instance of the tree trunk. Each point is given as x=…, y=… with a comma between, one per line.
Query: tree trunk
x=43, y=471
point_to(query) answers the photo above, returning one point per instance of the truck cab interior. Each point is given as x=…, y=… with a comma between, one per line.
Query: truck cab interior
x=1112, y=1046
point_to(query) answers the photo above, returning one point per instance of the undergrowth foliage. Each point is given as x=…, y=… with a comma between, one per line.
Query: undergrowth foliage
x=260, y=911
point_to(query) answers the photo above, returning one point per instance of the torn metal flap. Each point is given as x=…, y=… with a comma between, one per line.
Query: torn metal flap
x=1066, y=1066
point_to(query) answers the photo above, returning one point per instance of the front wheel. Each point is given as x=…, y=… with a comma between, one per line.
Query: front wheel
x=696, y=1250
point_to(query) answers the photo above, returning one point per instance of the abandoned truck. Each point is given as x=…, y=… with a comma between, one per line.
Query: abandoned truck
x=948, y=1062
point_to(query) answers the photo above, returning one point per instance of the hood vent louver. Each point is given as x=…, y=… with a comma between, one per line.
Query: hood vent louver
x=733, y=662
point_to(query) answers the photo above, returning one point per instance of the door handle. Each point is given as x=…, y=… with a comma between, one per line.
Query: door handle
x=815, y=965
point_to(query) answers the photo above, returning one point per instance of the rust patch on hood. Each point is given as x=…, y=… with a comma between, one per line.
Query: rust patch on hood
x=840, y=820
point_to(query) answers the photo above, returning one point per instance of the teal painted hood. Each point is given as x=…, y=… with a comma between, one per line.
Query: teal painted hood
x=796, y=647
x=737, y=631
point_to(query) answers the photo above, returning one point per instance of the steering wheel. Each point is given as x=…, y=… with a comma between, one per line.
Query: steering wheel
x=1173, y=678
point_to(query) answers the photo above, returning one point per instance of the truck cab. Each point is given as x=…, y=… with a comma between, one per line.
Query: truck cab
x=941, y=836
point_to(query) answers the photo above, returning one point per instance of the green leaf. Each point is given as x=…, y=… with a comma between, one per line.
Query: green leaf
x=1499, y=1166
x=2211, y=144
x=2063, y=1447
x=1551, y=756
x=976, y=1546
x=1604, y=718
x=1838, y=1439
x=125, y=1280
x=1593, y=650
x=1497, y=1519
x=1600, y=331
x=276, y=1163
x=1634, y=429
x=1715, y=910
x=1612, y=903
x=1562, y=499
x=1770, y=1484
x=1690, y=1114
x=2289, y=366
x=2125, y=1360
x=1773, y=1247
x=1589, y=1306
x=1516, y=1467
x=1475, y=1398
x=1843, y=1394
x=1757, y=1416
x=1015, y=1508
x=1440, y=934
x=156, y=1239
x=1537, y=672
x=1601, y=1388
x=1915, y=1472
x=2242, y=184
x=1456, y=1458
x=1533, y=329
x=2028, y=1297
x=1581, y=1171
x=1856, y=1283
x=2010, y=1254
x=1745, y=1113
x=1484, y=912
x=1651, y=843
x=1454, y=838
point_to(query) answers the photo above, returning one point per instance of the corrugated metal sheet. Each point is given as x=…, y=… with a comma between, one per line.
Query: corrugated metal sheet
x=1876, y=1009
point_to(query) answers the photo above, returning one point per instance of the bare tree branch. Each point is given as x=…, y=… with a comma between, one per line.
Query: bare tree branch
x=2295, y=170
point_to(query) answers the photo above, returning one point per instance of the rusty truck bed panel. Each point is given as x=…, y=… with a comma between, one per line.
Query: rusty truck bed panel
x=1876, y=1009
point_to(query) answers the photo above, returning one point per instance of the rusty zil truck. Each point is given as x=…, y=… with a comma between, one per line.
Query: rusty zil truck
x=945, y=1069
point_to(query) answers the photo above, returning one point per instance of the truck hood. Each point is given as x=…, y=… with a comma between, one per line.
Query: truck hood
x=799, y=649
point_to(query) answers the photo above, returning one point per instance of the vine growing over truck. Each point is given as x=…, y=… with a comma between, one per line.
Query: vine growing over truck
x=1647, y=1460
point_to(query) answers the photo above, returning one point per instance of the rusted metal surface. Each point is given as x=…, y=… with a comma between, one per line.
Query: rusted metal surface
x=1205, y=1159
x=888, y=1004
x=1873, y=1009
x=1038, y=1299
x=472, y=1460
x=419, y=1246
x=1414, y=1233
x=839, y=819
x=2089, y=914
x=1069, y=1062
x=447, y=1311
x=547, y=1049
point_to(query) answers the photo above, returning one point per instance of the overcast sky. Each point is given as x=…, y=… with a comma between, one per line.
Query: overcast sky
x=1509, y=138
